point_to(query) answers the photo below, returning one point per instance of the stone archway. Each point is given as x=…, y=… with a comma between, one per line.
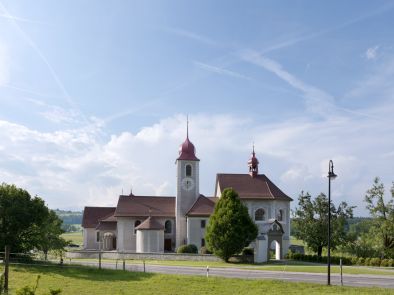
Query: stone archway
x=275, y=237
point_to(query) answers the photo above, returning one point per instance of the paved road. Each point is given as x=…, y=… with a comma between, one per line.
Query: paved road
x=348, y=280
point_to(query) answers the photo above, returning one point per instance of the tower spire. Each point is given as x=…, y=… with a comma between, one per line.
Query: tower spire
x=187, y=126
x=253, y=164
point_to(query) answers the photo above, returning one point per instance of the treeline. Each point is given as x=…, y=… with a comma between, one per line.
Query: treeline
x=354, y=236
x=71, y=220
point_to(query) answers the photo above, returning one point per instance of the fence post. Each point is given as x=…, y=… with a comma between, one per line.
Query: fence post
x=6, y=268
x=340, y=264
x=207, y=271
x=99, y=259
x=144, y=264
x=124, y=264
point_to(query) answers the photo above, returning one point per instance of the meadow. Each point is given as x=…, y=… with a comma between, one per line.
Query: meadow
x=85, y=280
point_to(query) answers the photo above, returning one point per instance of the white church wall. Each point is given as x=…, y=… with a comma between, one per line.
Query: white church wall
x=89, y=239
x=150, y=241
x=195, y=231
x=126, y=236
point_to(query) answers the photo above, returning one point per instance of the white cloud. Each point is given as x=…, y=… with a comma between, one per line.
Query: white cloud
x=372, y=52
x=78, y=167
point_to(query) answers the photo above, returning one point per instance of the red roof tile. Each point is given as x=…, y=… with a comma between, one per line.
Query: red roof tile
x=203, y=206
x=92, y=215
x=247, y=187
x=187, y=151
x=106, y=225
x=145, y=206
x=150, y=224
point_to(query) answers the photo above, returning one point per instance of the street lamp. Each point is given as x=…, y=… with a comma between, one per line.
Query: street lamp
x=331, y=175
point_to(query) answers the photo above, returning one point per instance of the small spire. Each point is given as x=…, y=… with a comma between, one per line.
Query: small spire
x=187, y=126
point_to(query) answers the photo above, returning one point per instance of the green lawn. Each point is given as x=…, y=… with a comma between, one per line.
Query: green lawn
x=291, y=266
x=82, y=280
x=75, y=237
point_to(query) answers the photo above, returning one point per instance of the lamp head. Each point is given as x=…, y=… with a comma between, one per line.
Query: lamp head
x=331, y=174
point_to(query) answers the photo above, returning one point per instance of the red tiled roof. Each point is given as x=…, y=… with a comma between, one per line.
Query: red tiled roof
x=109, y=218
x=247, y=187
x=203, y=206
x=92, y=215
x=106, y=225
x=150, y=224
x=145, y=206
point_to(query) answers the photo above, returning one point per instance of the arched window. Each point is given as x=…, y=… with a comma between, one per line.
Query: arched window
x=280, y=215
x=168, y=227
x=188, y=170
x=136, y=223
x=259, y=214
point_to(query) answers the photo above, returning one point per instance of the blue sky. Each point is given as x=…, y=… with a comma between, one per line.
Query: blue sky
x=94, y=95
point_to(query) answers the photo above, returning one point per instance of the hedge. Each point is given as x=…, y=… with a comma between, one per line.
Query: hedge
x=375, y=261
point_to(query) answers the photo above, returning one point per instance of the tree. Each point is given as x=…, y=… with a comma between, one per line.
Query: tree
x=230, y=227
x=20, y=214
x=311, y=222
x=382, y=212
x=48, y=235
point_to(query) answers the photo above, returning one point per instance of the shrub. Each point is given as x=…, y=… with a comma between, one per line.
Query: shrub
x=247, y=251
x=190, y=248
x=367, y=261
x=384, y=262
x=391, y=262
x=360, y=261
x=354, y=260
x=204, y=250
x=374, y=262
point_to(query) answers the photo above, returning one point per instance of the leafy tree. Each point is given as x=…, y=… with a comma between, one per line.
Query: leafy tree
x=20, y=215
x=382, y=212
x=48, y=235
x=311, y=222
x=230, y=227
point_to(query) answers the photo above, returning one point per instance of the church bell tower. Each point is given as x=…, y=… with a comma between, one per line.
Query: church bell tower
x=187, y=186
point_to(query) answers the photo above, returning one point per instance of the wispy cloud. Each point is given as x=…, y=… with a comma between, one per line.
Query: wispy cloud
x=4, y=65
x=39, y=52
x=190, y=35
x=220, y=71
x=372, y=52
x=316, y=99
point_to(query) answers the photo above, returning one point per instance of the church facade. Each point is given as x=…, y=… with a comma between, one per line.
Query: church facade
x=146, y=224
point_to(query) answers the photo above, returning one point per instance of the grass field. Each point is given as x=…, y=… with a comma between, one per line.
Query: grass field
x=75, y=237
x=82, y=280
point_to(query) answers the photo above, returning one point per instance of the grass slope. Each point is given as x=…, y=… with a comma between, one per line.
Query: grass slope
x=82, y=280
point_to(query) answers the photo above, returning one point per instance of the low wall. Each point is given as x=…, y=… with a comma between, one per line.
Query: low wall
x=140, y=256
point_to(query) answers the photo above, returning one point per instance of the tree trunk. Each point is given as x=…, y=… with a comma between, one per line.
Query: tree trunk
x=319, y=250
x=6, y=268
x=45, y=255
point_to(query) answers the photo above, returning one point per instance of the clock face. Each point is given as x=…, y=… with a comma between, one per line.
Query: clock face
x=188, y=183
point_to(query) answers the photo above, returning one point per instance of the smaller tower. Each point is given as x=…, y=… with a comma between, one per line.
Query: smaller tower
x=253, y=164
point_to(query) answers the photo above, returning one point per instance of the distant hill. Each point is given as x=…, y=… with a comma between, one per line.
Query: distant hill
x=71, y=220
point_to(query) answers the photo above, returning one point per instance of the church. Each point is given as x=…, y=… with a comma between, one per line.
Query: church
x=152, y=224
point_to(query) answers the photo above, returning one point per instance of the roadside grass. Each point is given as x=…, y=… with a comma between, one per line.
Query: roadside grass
x=85, y=280
x=288, y=266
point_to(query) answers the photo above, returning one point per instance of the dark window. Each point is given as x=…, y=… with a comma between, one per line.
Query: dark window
x=280, y=215
x=203, y=222
x=188, y=170
x=259, y=214
x=136, y=223
x=98, y=236
x=168, y=227
x=202, y=242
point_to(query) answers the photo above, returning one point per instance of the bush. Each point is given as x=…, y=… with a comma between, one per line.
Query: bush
x=384, y=262
x=190, y=248
x=204, y=250
x=367, y=261
x=374, y=262
x=360, y=261
x=354, y=260
x=391, y=263
x=247, y=251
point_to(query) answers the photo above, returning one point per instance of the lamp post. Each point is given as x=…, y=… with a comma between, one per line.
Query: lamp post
x=331, y=175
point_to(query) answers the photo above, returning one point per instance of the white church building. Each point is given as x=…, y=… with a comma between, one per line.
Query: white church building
x=146, y=224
